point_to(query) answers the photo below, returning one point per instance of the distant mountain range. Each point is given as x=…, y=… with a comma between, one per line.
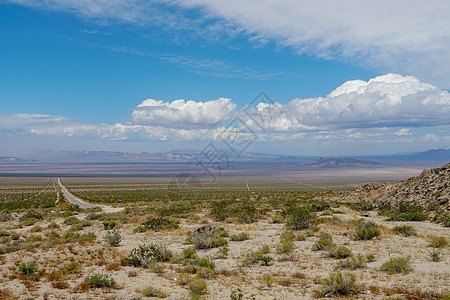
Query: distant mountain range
x=334, y=163
x=432, y=157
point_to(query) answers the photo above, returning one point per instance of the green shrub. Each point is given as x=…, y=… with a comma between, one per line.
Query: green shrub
x=243, y=236
x=354, y=262
x=265, y=260
x=338, y=284
x=339, y=252
x=325, y=241
x=109, y=225
x=71, y=268
x=367, y=231
x=198, y=286
x=406, y=230
x=438, y=242
x=206, y=262
x=28, y=269
x=207, y=237
x=404, y=212
x=160, y=223
x=363, y=206
x=190, y=252
x=31, y=214
x=299, y=217
x=100, y=280
x=113, y=238
x=435, y=255
x=150, y=291
x=144, y=254
x=397, y=265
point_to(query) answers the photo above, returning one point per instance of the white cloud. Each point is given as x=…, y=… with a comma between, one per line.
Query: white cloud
x=183, y=114
x=431, y=137
x=403, y=132
x=407, y=36
x=403, y=36
x=385, y=101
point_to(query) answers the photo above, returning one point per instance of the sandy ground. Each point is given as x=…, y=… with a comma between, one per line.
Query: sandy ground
x=296, y=275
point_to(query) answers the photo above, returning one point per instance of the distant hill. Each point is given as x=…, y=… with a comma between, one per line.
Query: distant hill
x=339, y=163
x=435, y=157
x=432, y=186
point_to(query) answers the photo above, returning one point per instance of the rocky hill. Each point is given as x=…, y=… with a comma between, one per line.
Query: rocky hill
x=333, y=163
x=430, y=187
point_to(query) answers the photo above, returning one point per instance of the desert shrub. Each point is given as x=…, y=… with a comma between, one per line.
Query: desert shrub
x=245, y=211
x=397, y=265
x=435, y=255
x=243, y=236
x=71, y=220
x=265, y=260
x=31, y=214
x=403, y=212
x=175, y=209
x=109, y=225
x=354, y=262
x=113, y=238
x=150, y=291
x=367, y=231
x=73, y=207
x=147, y=253
x=406, y=230
x=36, y=229
x=100, y=280
x=205, y=262
x=5, y=217
x=207, y=237
x=445, y=220
x=223, y=252
x=198, y=286
x=286, y=244
x=28, y=269
x=300, y=217
x=190, y=252
x=363, y=206
x=71, y=268
x=94, y=216
x=438, y=242
x=160, y=223
x=339, y=252
x=338, y=284
x=325, y=241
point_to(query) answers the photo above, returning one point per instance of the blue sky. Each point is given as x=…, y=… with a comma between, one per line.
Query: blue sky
x=74, y=74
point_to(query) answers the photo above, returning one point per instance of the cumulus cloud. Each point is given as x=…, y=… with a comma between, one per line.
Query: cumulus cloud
x=385, y=108
x=390, y=100
x=183, y=114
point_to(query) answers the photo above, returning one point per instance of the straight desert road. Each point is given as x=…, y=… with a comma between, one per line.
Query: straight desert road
x=83, y=204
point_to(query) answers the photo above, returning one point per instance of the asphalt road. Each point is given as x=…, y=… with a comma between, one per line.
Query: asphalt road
x=75, y=200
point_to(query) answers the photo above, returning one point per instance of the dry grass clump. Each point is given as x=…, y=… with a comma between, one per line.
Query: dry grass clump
x=438, y=242
x=113, y=238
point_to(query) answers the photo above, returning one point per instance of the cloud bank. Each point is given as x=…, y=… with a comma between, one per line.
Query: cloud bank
x=389, y=108
x=390, y=100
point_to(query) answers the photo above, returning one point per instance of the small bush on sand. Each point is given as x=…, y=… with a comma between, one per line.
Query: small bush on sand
x=397, y=265
x=198, y=286
x=406, y=230
x=300, y=217
x=113, y=238
x=438, y=242
x=325, y=241
x=339, y=252
x=100, y=280
x=160, y=224
x=207, y=237
x=144, y=254
x=151, y=291
x=367, y=231
x=338, y=284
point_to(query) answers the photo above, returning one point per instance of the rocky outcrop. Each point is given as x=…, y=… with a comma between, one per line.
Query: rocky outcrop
x=430, y=187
